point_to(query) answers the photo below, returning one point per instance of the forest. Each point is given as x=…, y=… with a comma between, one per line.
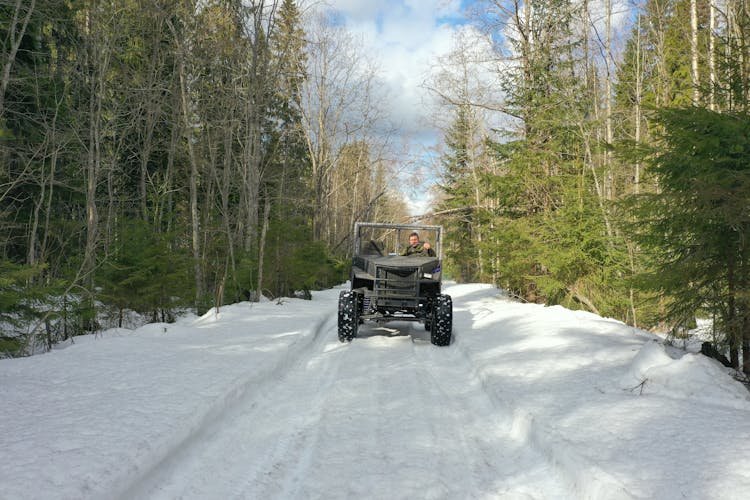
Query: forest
x=158, y=156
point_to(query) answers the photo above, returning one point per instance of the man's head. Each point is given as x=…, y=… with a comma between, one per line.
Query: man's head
x=413, y=239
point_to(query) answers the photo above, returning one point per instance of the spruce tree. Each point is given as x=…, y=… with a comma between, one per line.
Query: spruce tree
x=459, y=202
x=695, y=228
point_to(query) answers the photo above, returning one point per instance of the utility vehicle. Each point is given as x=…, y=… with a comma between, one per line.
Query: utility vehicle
x=387, y=285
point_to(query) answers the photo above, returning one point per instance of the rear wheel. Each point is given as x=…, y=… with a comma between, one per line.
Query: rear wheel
x=442, y=320
x=348, y=317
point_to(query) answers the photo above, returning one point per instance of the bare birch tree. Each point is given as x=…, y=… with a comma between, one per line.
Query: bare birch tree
x=182, y=43
x=339, y=107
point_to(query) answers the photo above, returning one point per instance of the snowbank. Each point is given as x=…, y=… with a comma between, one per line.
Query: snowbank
x=262, y=401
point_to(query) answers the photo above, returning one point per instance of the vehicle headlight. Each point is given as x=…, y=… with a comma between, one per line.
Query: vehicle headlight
x=427, y=275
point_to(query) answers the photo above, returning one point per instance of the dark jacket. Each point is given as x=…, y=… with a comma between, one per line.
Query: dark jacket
x=419, y=250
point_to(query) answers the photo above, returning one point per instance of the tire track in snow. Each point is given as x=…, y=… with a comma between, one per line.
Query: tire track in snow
x=393, y=426
x=584, y=480
x=282, y=474
x=341, y=448
x=383, y=433
x=518, y=471
x=373, y=429
x=137, y=483
x=460, y=433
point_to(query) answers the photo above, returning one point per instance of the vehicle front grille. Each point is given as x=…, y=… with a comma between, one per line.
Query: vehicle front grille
x=397, y=286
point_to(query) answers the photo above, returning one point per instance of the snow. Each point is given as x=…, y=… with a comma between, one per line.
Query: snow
x=262, y=401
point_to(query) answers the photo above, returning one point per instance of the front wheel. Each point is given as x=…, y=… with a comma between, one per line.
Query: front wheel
x=348, y=317
x=441, y=325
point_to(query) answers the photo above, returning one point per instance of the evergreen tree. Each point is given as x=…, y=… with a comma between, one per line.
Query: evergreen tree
x=695, y=228
x=459, y=185
x=548, y=224
x=146, y=272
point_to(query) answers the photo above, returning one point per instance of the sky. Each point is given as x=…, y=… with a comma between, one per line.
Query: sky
x=407, y=37
x=261, y=400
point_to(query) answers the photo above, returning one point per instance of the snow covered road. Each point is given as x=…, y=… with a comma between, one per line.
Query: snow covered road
x=385, y=417
x=262, y=401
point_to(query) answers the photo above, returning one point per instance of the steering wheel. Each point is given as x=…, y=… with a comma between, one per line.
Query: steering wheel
x=376, y=246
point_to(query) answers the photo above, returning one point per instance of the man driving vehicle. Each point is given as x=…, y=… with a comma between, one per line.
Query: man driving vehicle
x=418, y=248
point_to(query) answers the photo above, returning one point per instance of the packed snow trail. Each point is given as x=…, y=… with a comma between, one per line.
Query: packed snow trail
x=262, y=401
x=387, y=416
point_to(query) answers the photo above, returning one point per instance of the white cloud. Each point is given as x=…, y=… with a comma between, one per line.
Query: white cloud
x=405, y=37
x=356, y=10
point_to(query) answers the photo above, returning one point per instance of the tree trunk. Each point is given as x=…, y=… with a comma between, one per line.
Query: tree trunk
x=712, y=54
x=731, y=317
x=746, y=342
x=694, y=50
x=225, y=188
x=638, y=110
x=262, y=243
x=15, y=35
x=98, y=66
x=610, y=183
x=194, y=171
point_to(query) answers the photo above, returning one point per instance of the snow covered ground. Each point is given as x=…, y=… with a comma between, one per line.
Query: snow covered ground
x=262, y=401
